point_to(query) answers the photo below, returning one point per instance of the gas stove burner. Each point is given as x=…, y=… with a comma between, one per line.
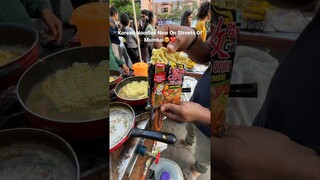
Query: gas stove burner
x=92, y=154
x=9, y=104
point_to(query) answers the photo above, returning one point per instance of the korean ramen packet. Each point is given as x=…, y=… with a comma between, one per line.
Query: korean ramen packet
x=225, y=27
x=166, y=72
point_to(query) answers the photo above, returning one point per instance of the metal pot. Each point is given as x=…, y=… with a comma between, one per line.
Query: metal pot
x=20, y=39
x=135, y=102
x=75, y=129
x=27, y=153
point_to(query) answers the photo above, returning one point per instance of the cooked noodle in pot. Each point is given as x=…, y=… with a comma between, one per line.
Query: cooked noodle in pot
x=7, y=56
x=112, y=78
x=78, y=92
x=134, y=90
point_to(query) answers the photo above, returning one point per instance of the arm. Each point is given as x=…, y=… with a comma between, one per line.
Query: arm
x=258, y=153
x=148, y=29
x=34, y=7
x=199, y=52
x=113, y=29
x=200, y=57
x=134, y=35
x=119, y=62
x=41, y=9
x=187, y=112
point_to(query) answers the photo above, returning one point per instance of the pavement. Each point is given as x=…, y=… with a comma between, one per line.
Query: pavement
x=182, y=155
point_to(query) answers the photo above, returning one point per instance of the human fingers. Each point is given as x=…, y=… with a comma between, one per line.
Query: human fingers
x=166, y=30
x=54, y=24
x=181, y=43
x=127, y=70
x=182, y=35
x=160, y=35
x=58, y=25
x=172, y=112
x=47, y=18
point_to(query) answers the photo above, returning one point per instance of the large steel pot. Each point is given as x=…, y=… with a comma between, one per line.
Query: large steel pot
x=61, y=60
x=23, y=40
x=27, y=153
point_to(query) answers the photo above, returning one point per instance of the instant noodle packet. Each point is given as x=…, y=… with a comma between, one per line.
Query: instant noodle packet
x=166, y=72
x=225, y=28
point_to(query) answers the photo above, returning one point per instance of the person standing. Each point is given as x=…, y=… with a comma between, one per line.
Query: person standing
x=186, y=19
x=150, y=31
x=203, y=16
x=131, y=38
x=143, y=45
x=144, y=17
x=114, y=37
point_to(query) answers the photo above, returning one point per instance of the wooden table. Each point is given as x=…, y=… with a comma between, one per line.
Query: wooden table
x=140, y=164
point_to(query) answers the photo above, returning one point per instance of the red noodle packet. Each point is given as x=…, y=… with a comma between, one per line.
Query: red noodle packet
x=165, y=83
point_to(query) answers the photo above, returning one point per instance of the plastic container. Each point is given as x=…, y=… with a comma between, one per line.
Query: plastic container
x=167, y=169
x=140, y=69
x=91, y=21
x=165, y=176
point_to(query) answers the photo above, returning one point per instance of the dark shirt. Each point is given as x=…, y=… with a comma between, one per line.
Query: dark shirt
x=114, y=37
x=292, y=104
x=201, y=95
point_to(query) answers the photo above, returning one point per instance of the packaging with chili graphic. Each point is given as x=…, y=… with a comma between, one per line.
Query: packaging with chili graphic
x=225, y=28
x=165, y=83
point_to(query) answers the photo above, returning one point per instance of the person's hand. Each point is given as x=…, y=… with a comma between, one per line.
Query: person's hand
x=256, y=153
x=199, y=52
x=181, y=42
x=126, y=69
x=186, y=112
x=54, y=24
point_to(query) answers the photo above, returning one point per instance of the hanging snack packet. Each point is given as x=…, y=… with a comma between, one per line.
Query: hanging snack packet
x=225, y=27
x=166, y=72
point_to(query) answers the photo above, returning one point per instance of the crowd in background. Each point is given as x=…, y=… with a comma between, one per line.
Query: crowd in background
x=124, y=39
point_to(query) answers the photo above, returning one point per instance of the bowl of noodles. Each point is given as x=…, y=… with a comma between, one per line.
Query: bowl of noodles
x=115, y=76
x=133, y=90
x=18, y=51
